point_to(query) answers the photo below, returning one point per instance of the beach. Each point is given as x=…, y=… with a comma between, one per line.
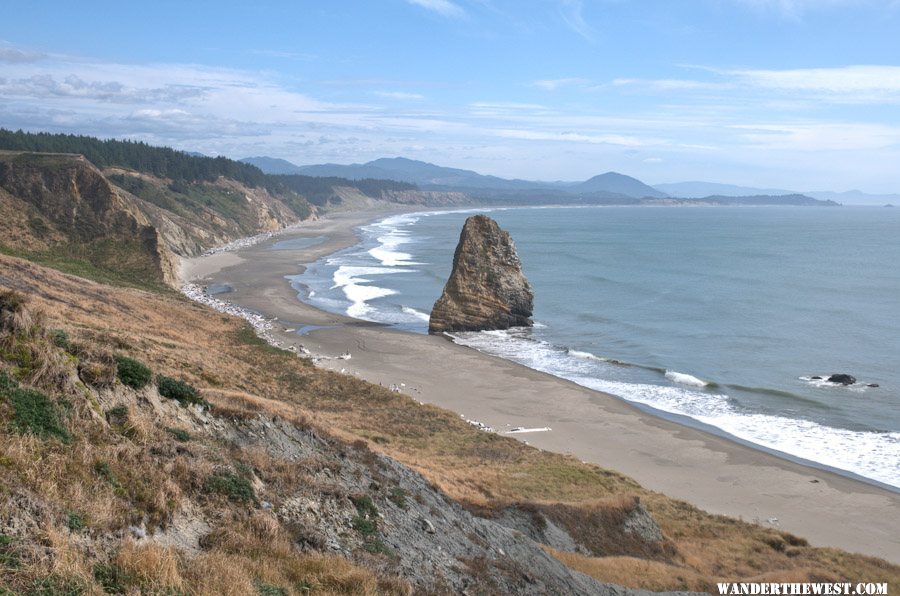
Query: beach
x=705, y=469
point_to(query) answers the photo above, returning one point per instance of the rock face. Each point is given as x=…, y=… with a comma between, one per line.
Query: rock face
x=842, y=379
x=486, y=289
x=61, y=202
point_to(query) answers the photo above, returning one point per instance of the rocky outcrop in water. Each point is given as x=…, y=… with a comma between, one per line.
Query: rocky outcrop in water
x=842, y=379
x=486, y=289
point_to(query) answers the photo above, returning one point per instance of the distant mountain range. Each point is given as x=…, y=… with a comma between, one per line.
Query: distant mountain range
x=698, y=190
x=430, y=176
x=607, y=187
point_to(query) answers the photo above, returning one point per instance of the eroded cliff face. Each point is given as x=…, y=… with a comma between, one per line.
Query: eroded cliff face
x=194, y=217
x=67, y=207
x=486, y=289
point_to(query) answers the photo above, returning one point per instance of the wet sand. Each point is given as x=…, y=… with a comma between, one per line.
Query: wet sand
x=707, y=470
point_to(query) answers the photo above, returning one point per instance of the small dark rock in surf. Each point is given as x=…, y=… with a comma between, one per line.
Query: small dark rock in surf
x=873, y=385
x=816, y=378
x=842, y=379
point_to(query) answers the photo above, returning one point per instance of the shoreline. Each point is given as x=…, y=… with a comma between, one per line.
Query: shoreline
x=707, y=469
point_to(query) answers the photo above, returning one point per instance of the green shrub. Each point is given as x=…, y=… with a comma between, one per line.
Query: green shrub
x=364, y=506
x=264, y=589
x=55, y=585
x=398, y=497
x=120, y=411
x=366, y=523
x=35, y=413
x=179, y=390
x=132, y=373
x=233, y=486
x=60, y=339
x=9, y=558
x=113, y=578
x=74, y=521
x=102, y=469
x=7, y=383
x=182, y=436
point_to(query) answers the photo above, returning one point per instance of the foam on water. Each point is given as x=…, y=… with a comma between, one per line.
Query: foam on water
x=871, y=454
x=584, y=355
x=417, y=314
x=685, y=379
x=356, y=279
x=348, y=279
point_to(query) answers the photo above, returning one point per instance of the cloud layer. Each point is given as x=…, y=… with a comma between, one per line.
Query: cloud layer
x=785, y=123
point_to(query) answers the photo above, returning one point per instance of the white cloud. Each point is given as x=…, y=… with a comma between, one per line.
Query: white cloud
x=788, y=88
x=442, y=7
x=506, y=108
x=865, y=80
x=402, y=95
x=572, y=137
x=572, y=16
x=820, y=137
x=667, y=84
x=554, y=84
x=13, y=55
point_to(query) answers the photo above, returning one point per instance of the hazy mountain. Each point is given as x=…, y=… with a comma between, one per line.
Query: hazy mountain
x=855, y=197
x=427, y=175
x=699, y=190
x=604, y=188
x=272, y=165
x=417, y=172
x=620, y=184
x=788, y=199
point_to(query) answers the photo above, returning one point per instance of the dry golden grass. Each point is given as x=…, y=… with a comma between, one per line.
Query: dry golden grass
x=155, y=567
x=218, y=573
x=653, y=575
x=241, y=379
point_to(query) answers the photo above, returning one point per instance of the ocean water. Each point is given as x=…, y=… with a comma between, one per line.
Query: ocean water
x=722, y=315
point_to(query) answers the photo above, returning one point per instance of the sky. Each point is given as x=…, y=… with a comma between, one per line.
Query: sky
x=796, y=94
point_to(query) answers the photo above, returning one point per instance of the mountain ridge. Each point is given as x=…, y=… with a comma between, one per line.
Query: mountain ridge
x=609, y=185
x=699, y=189
x=430, y=175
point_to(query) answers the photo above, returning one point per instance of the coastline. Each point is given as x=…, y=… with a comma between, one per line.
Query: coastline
x=705, y=469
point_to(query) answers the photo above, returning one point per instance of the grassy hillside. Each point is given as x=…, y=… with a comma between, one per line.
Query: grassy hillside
x=244, y=380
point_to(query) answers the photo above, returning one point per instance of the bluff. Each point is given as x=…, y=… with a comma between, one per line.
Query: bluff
x=486, y=289
x=61, y=207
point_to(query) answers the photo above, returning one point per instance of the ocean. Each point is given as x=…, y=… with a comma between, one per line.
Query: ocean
x=719, y=316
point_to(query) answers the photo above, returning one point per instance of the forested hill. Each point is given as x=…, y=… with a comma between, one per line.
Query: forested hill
x=163, y=162
x=185, y=168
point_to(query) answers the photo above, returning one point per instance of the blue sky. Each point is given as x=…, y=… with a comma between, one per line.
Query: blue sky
x=799, y=94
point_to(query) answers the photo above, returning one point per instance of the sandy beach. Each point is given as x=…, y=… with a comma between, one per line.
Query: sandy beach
x=704, y=469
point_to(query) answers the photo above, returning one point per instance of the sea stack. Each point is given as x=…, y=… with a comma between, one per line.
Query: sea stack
x=486, y=289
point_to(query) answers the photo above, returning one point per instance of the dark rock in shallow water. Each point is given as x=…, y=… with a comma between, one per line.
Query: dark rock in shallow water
x=816, y=378
x=873, y=385
x=486, y=289
x=842, y=379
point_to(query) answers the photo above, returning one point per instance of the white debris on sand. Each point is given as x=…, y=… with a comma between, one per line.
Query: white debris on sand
x=479, y=425
x=260, y=324
x=521, y=429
